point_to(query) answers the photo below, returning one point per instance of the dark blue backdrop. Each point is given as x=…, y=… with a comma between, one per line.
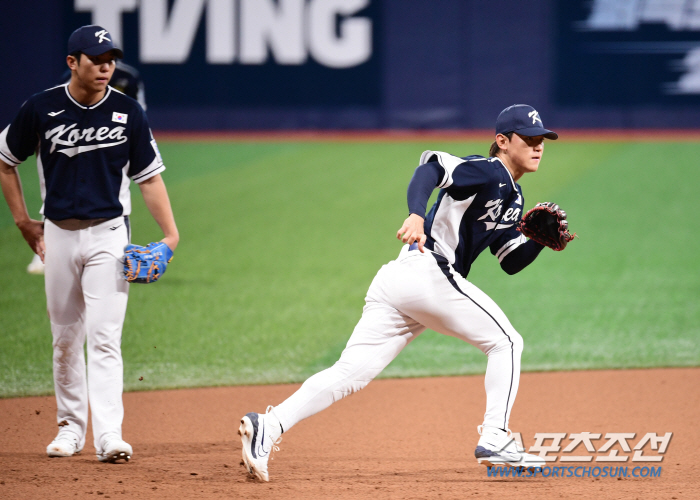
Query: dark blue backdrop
x=430, y=64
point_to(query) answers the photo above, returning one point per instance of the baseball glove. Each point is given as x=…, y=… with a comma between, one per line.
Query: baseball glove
x=546, y=224
x=146, y=264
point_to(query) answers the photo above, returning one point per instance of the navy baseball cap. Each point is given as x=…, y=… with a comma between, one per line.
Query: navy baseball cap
x=92, y=40
x=524, y=120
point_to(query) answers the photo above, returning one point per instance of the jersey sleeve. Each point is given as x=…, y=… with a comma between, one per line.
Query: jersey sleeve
x=20, y=138
x=425, y=179
x=514, y=251
x=144, y=158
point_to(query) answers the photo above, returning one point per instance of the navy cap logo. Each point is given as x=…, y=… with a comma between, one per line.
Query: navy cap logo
x=103, y=36
x=535, y=116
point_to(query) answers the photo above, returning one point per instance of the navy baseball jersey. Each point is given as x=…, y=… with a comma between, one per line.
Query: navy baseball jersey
x=86, y=155
x=479, y=206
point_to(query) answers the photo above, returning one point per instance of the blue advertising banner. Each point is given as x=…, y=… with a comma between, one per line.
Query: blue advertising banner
x=627, y=52
x=232, y=53
x=373, y=64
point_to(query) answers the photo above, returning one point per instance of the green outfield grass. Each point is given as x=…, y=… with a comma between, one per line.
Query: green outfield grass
x=280, y=241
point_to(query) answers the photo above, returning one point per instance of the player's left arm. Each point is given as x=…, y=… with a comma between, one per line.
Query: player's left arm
x=155, y=195
x=145, y=167
x=514, y=251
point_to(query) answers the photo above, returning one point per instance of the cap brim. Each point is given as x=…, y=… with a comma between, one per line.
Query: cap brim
x=535, y=131
x=97, y=51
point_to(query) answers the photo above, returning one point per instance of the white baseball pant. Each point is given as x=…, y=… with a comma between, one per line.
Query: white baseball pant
x=414, y=292
x=86, y=296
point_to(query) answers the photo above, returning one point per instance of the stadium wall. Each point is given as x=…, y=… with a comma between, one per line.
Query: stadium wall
x=377, y=64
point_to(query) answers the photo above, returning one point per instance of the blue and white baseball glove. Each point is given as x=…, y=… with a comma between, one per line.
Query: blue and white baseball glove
x=146, y=264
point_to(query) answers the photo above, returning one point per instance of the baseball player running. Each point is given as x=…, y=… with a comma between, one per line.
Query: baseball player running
x=90, y=141
x=479, y=206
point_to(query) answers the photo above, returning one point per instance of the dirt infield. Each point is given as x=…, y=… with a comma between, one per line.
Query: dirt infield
x=411, y=438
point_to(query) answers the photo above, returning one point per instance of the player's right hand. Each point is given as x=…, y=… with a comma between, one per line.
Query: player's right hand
x=412, y=231
x=33, y=232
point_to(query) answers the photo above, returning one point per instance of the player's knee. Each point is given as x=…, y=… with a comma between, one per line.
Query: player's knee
x=105, y=349
x=66, y=337
x=517, y=341
x=510, y=342
x=63, y=350
x=347, y=388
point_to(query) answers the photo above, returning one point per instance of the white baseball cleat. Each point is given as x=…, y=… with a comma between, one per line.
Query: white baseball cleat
x=497, y=447
x=260, y=435
x=114, y=449
x=36, y=266
x=65, y=444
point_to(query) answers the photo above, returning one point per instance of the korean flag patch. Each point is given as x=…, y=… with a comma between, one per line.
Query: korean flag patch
x=119, y=117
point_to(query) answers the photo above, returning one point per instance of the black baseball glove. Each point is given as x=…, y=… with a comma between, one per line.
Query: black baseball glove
x=546, y=224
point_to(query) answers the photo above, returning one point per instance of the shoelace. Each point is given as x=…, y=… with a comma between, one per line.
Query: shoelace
x=277, y=442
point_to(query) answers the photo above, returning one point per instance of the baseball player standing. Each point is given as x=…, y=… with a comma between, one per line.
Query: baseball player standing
x=479, y=206
x=90, y=141
x=127, y=80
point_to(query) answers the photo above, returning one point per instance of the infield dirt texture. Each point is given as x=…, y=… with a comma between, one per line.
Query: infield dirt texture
x=396, y=439
x=280, y=240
